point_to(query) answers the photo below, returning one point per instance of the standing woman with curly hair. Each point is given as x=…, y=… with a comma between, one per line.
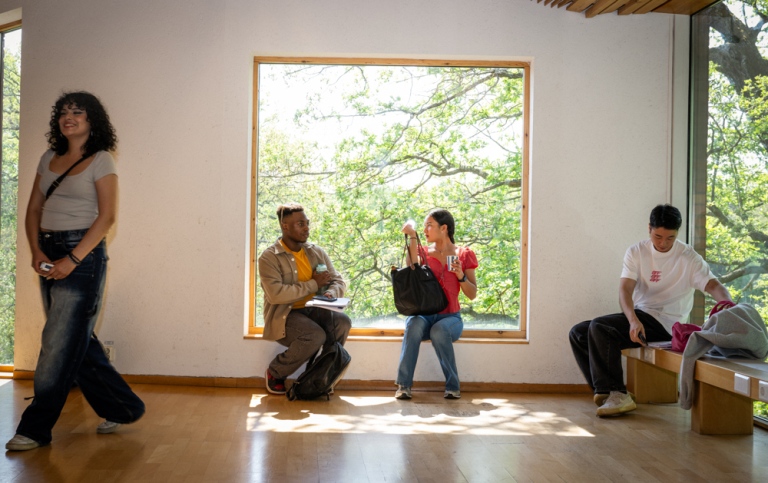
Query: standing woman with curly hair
x=71, y=209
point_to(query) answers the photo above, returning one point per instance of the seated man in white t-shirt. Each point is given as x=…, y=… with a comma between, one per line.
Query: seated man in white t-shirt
x=655, y=291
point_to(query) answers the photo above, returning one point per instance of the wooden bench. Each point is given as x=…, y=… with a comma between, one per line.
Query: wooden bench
x=717, y=406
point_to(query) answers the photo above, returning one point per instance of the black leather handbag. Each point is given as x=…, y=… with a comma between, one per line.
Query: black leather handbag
x=416, y=289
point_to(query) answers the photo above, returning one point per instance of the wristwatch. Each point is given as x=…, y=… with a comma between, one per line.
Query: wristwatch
x=463, y=279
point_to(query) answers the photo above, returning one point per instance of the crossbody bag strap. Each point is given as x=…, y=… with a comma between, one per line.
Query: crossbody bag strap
x=58, y=181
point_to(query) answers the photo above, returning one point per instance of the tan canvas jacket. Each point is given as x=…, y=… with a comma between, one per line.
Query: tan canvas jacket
x=279, y=280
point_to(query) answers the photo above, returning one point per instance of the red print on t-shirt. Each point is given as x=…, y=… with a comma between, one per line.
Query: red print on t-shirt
x=656, y=276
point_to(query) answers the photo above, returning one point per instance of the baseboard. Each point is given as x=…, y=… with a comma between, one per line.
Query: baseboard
x=352, y=385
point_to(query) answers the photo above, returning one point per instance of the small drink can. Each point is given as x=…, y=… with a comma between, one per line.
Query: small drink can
x=449, y=261
x=321, y=268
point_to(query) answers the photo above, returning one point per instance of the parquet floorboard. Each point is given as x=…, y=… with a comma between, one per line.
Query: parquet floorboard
x=199, y=434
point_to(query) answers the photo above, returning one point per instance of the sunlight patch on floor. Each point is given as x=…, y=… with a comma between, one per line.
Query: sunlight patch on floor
x=385, y=415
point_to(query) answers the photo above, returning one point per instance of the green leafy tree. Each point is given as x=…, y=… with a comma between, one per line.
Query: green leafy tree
x=737, y=156
x=415, y=138
x=8, y=203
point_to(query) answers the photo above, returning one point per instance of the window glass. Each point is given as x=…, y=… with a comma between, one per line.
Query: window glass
x=10, y=45
x=366, y=147
x=729, y=131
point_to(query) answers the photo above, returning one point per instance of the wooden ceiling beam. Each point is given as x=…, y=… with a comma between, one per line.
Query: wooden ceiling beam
x=617, y=5
x=632, y=6
x=579, y=5
x=650, y=6
x=599, y=7
x=592, y=8
x=684, y=7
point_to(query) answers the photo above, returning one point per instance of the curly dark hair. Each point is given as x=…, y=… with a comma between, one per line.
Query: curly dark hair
x=102, y=136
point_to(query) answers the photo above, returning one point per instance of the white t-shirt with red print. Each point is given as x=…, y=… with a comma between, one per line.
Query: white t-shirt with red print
x=665, y=281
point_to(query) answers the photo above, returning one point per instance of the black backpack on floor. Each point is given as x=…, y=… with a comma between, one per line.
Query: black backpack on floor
x=320, y=377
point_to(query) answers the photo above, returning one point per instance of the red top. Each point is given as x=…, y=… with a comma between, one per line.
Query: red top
x=447, y=279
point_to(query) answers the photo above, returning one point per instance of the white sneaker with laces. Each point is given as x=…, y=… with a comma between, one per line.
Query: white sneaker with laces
x=617, y=403
x=107, y=427
x=452, y=394
x=601, y=397
x=21, y=443
x=403, y=392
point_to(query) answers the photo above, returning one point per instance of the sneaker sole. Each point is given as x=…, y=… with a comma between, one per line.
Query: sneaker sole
x=403, y=397
x=109, y=430
x=616, y=411
x=270, y=390
x=22, y=446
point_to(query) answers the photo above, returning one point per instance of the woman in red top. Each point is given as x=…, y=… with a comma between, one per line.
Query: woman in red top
x=446, y=327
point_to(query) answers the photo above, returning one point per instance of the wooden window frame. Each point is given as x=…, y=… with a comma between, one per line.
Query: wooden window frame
x=388, y=334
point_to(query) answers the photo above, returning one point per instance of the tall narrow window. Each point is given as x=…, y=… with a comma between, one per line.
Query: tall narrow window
x=729, y=163
x=366, y=145
x=10, y=49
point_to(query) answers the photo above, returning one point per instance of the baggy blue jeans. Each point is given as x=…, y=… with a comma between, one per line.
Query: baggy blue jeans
x=70, y=351
x=443, y=330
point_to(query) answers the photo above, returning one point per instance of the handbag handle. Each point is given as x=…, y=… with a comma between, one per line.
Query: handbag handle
x=722, y=305
x=58, y=180
x=405, y=248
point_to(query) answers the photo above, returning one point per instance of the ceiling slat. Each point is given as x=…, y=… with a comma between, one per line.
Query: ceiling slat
x=579, y=5
x=684, y=7
x=632, y=6
x=650, y=6
x=599, y=6
x=615, y=6
x=592, y=8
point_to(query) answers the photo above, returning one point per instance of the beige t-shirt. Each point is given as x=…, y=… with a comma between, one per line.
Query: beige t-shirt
x=74, y=205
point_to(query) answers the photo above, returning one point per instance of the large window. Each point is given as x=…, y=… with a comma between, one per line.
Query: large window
x=365, y=145
x=730, y=148
x=10, y=50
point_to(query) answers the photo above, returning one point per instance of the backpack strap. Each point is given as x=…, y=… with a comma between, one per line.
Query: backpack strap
x=58, y=181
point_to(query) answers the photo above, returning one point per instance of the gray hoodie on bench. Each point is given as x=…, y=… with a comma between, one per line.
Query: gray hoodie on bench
x=735, y=332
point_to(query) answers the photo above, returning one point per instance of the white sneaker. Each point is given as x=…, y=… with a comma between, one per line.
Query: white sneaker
x=21, y=443
x=107, y=427
x=617, y=403
x=403, y=392
x=600, y=398
x=452, y=394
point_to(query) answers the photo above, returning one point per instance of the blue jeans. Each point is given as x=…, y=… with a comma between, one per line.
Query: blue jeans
x=70, y=351
x=443, y=330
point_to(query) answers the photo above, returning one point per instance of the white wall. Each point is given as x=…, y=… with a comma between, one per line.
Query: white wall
x=176, y=77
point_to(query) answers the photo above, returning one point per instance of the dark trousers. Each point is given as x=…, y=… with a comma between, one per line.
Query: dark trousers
x=306, y=331
x=597, y=346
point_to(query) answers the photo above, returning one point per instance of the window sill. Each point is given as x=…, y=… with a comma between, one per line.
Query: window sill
x=399, y=338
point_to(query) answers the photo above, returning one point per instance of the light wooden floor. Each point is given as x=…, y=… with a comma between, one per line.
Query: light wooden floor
x=192, y=434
